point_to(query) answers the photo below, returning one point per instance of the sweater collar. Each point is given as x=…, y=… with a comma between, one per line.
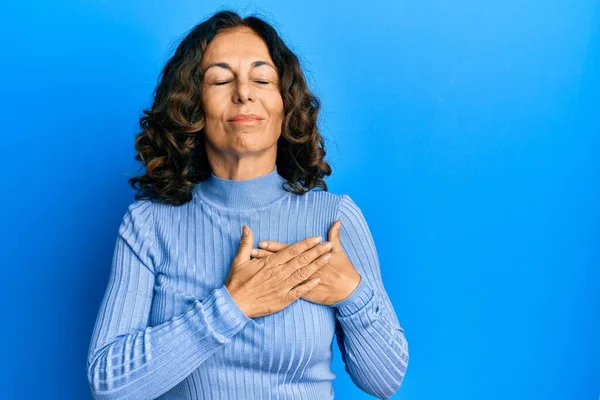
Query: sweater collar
x=241, y=194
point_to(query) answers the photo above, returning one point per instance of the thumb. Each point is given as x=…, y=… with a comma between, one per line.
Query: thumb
x=245, y=247
x=334, y=235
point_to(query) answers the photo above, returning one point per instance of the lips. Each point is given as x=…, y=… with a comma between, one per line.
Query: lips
x=245, y=117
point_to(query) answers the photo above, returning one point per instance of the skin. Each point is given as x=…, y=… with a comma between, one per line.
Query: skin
x=338, y=277
x=249, y=83
x=240, y=151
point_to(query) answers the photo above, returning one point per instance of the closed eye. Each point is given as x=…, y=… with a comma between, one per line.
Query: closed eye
x=225, y=82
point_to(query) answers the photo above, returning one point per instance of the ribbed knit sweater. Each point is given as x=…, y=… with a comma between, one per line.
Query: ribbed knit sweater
x=168, y=328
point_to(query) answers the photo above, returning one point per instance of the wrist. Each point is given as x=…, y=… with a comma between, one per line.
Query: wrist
x=360, y=296
x=234, y=296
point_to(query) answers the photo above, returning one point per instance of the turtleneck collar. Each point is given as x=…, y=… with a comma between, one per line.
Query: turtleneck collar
x=241, y=194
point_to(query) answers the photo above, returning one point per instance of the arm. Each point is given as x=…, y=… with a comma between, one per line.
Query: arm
x=128, y=359
x=371, y=340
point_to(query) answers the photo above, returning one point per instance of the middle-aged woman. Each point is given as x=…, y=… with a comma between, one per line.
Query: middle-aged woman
x=195, y=307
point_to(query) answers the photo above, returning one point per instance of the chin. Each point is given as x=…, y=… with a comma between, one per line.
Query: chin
x=245, y=145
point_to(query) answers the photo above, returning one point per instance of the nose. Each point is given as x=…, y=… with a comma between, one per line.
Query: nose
x=243, y=92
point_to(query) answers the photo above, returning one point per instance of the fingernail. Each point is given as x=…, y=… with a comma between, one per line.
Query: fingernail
x=244, y=230
x=254, y=252
x=318, y=239
x=262, y=244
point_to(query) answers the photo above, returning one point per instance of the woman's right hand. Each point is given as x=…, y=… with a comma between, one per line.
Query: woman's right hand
x=266, y=285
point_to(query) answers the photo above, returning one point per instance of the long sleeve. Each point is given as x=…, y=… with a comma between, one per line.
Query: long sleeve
x=371, y=340
x=128, y=359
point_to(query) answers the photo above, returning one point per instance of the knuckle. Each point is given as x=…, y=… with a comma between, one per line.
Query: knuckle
x=302, y=274
x=293, y=251
x=303, y=259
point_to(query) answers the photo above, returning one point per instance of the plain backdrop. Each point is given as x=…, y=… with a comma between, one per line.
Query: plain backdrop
x=467, y=131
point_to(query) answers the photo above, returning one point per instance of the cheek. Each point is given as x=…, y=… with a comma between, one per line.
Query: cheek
x=213, y=105
x=274, y=103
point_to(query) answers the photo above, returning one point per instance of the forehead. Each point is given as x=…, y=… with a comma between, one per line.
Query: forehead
x=240, y=44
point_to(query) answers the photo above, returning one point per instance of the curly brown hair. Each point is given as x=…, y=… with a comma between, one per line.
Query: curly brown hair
x=171, y=145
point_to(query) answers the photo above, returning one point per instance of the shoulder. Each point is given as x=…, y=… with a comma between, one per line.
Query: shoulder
x=321, y=198
x=139, y=210
x=342, y=203
x=137, y=230
x=341, y=200
x=138, y=219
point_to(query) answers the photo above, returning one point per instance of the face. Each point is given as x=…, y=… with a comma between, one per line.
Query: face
x=240, y=78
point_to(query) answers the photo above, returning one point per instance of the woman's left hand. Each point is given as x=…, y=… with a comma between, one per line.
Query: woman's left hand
x=339, y=278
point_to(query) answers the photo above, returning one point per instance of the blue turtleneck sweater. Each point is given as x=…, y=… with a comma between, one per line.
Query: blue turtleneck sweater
x=168, y=328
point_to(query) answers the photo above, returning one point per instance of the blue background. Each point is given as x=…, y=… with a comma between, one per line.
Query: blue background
x=468, y=132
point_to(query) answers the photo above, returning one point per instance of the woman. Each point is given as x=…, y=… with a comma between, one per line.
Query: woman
x=193, y=309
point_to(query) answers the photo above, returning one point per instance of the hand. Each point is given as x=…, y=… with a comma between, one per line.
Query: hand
x=264, y=286
x=338, y=277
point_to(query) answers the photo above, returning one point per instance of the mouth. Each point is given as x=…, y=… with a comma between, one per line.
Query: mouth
x=246, y=121
x=245, y=118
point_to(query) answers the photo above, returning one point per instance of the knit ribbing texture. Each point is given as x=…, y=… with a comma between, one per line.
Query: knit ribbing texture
x=168, y=328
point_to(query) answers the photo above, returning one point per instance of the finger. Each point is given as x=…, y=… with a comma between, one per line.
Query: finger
x=272, y=245
x=296, y=249
x=302, y=290
x=245, y=246
x=304, y=273
x=260, y=253
x=305, y=259
x=333, y=235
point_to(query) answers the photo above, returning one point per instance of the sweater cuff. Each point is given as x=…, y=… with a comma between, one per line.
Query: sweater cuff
x=361, y=296
x=223, y=313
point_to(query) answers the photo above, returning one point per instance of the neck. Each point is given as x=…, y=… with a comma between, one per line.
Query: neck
x=241, y=194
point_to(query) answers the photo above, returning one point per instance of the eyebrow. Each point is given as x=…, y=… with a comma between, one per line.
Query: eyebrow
x=255, y=64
